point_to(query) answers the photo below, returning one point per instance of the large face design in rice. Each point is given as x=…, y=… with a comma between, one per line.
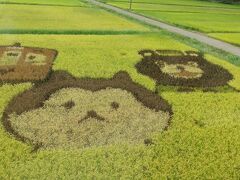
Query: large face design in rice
x=87, y=112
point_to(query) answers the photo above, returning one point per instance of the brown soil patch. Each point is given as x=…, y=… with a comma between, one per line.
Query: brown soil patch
x=34, y=98
x=194, y=70
x=21, y=64
x=185, y=89
x=186, y=74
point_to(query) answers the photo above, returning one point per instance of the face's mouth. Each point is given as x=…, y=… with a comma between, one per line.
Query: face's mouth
x=92, y=114
x=5, y=71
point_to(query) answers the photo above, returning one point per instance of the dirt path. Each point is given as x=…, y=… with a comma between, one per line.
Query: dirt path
x=194, y=35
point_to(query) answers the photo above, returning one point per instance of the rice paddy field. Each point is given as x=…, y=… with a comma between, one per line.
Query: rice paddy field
x=203, y=16
x=197, y=135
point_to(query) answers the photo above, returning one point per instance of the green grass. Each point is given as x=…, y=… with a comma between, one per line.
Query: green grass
x=204, y=22
x=203, y=140
x=175, y=7
x=233, y=38
x=180, y=2
x=30, y=18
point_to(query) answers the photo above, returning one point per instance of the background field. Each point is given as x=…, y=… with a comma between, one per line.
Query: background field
x=203, y=16
x=16, y=19
x=50, y=2
x=202, y=142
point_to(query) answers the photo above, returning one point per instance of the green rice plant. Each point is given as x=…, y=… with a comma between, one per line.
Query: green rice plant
x=202, y=139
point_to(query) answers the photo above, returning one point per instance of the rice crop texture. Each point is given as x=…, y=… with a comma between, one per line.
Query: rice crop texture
x=203, y=140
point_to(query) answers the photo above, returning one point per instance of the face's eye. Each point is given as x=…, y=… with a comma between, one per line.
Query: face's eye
x=69, y=104
x=181, y=68
x=12, y=54
x=32, y=57
x=115, y=105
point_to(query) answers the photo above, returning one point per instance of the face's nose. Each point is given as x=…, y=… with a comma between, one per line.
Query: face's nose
x=92, y=114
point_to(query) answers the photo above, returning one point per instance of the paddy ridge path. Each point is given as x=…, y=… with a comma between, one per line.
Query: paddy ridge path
x=194, y=35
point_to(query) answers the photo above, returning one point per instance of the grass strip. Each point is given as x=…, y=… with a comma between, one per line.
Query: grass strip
x=68, y=32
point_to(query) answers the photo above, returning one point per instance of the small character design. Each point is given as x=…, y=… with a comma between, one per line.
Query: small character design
x=23, y=64
x=176, y=68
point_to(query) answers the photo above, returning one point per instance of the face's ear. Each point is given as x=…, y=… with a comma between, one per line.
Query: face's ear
x=192, y=64
x=160, y=63
x=17, y=44
x=169, y=52
x=147, y=53
x=122, y=75
x=195, y=53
